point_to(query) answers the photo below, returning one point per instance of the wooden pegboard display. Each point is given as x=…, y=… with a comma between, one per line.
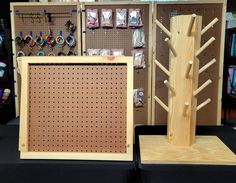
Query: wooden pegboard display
x=77, y=106
x=115, y=38
x=43, y=19
x=163, y=12
x=34, y=20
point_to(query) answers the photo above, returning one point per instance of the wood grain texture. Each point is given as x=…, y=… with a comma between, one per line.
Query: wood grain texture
x=55, y=120
x=181, y=128
x=209, y=150
x=163, y=11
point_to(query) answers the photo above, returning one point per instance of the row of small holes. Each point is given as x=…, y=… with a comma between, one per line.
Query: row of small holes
x=77, y=118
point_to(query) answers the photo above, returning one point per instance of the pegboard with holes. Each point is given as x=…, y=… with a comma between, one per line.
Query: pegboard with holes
x=43, y=19
x=115, y=38
x=208, y=11
x=77, y=106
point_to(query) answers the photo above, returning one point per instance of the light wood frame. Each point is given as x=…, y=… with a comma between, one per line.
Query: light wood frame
x=17, y=87
x=149, y=35
x=24, y=63
x=220, y=61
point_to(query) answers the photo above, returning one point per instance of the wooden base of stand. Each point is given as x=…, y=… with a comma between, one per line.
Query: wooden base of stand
x=155, y=149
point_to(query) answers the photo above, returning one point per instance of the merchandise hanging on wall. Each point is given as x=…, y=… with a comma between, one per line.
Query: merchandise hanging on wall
x=44, y=29
x=121, y=28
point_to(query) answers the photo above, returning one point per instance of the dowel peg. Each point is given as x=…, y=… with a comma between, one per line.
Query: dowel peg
x=162, y=27
x=161, y=103
x=203, y=104
x=171, y=47
x=213, y=22
x=204, y=85
x=205, y=67
x=205, y=46
x=186, y=106
x=190, y=27
x=162, y=67
x=190, y=64
x=169, y=87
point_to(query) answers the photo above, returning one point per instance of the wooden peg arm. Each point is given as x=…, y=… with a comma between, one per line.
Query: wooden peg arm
x=171, y=47
x=193, y=17
x=205, y=46
x=204, y=85
x=205, y=67
x=190, y=64
x=213, y=22
x=162, y=27
x=169, y=86
x=162, y=67
x=186, y=106
x=203, y=104
x=161, y=103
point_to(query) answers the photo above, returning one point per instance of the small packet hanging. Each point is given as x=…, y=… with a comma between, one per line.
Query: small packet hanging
x=106, y=18
x=92, y=18
x=135, y=19
x=138, y=97
x=121, y=18
x=93, y=52
x=105, y=52
x=138, y=40
x=139, y=61
x=117, y=52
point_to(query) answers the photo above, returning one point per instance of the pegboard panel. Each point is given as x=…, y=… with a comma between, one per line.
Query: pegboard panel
x=208, y=12
x=33, y=20
x=122, y=39
x=77, y=108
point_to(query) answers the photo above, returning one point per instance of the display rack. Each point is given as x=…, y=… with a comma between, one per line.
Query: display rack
x=163, y=11
x=76, y=108
x=122, y=38
x=43, y=19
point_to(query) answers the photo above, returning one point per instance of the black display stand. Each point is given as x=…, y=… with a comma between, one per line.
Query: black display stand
x=170, y=173
x=13, y=170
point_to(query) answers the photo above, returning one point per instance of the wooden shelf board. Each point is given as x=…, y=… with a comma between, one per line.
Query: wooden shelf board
x=209, y=150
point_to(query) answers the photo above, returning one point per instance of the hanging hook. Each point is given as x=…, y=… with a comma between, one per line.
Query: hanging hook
x=32, y=18
x=22, y=17
x=38, y=19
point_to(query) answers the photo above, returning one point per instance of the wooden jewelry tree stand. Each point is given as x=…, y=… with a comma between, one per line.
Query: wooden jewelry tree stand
x=181, y=145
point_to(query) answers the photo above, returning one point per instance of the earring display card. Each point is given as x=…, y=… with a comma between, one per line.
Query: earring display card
x=77, y=107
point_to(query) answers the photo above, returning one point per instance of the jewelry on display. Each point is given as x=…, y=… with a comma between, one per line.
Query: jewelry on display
x=19, y=41
x=50, y=40
x=20, y=54
x=39, y=41
x=70, y=26
x=70, y=41
x=40, y=53
x=60, y=41
x=29, y=41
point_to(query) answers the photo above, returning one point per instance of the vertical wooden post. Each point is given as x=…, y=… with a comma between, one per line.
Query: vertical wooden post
x=181, y=126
